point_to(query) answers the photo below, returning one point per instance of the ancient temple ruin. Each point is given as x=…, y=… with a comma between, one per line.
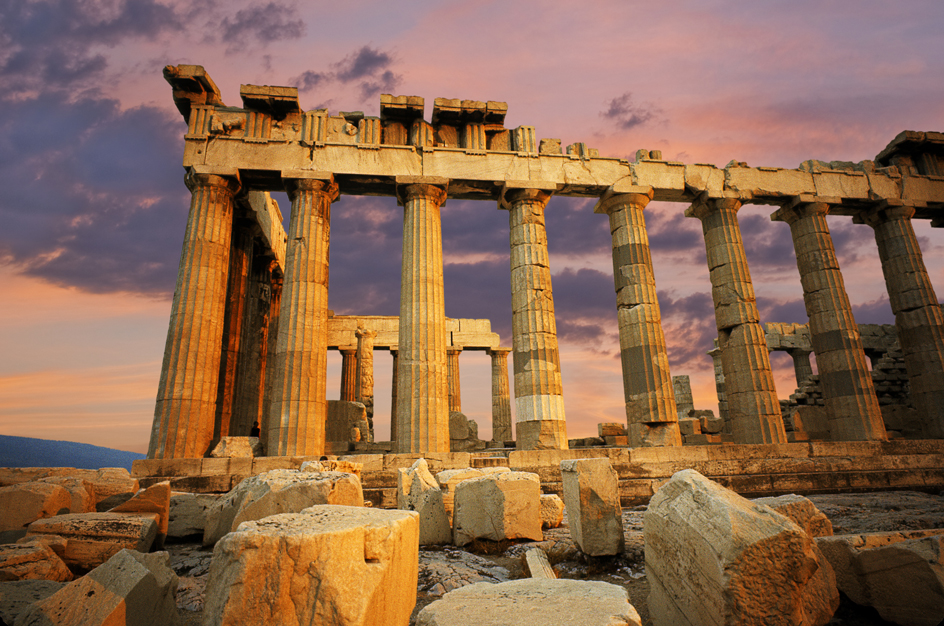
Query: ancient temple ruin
x=250, y=327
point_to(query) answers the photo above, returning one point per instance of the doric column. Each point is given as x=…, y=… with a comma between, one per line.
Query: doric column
x=364, y=385
x=393, y=399
x=422, y=386
x=501, y=396
x=271, y=367
x=917, y=312
x=753, y=407
x=651, y=412
x=348, y=374
x=715, y=354
x=452, y=368
x=299, y=405
x=186, y=396
x=848, y=394
x=539, y=397
x=231, y=357
x=801, y=365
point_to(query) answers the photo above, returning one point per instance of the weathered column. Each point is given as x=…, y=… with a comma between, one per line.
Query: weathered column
x=364, y=385
x=501, y=396
x=682, y=388
x=393, y=399
x=651, y=411
x=186, y=396
x=271, y=367
x=240, y=262
x=916, y=308
x=715, y=354
x=539, y=395
x=348, y=374
x=848, y=394
x=422, y=386
x=753, y=406
x=452, y=367
x=801, y=365
x=299, y=405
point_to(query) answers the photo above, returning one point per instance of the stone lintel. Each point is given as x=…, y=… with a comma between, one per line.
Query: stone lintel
x=275, y=101
x=230, y=172
x=306, y=174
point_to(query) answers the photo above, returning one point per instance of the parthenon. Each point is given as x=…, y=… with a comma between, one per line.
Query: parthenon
x=249, y=329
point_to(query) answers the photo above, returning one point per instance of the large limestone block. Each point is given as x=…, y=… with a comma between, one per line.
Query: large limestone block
x=591, y=495
x=503, y=505
x=803, y=513
x=18, y=595
x=279, y=491
x=552, y=510
x=108, y=482
x=23, y=504
x=93, y=538
x=417, y=490
x=713, y=557
x=32, y=560
x=448, y=479
x=152, y=500
x=81, y=491
x=130, y=589
x=188, y=513
x=338, y=565
x=533, y=602
x=237, y=448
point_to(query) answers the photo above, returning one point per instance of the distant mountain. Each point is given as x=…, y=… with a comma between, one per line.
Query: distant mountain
x=29, y=452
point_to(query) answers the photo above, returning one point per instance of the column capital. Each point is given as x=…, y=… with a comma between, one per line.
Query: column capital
x=514, y=191
x=410, y=187
x=204, y=177
x=453, y=349
x=618, y=195
x=703, y=206
x=347, y=351
x=497, y=351
x=318, y=182
x=884, y=211
x=801, y=206
x=365, y=332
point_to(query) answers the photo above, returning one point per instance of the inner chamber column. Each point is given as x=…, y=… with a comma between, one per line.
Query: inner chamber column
x=185, y=411
x=452, y=367
x=501, y=396
x=848, y=394
x=651, y=414
x=539, y=396
x=422, y=386
x=753, y=407
x=299, y=405
x=348, y=373
x=916, y=308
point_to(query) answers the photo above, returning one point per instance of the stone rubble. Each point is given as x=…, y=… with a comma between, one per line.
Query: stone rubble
x=503, y=505
x=552, y=510
x=188, y=513
x=23, y=504
x=591, y=496
x=94, y=538
x=152, y=500
x=417, y=490
x=32, y=560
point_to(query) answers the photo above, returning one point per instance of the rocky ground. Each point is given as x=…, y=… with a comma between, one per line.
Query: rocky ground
x=444, y=568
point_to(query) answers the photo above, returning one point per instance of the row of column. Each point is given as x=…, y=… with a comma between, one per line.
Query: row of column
x=294, y=424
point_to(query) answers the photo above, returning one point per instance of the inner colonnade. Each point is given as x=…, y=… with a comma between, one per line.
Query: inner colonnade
x=233, y=156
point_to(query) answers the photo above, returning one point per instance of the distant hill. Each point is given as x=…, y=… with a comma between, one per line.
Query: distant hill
x=29, y=452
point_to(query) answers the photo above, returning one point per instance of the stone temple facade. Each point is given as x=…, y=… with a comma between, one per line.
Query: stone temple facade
x=250, y=327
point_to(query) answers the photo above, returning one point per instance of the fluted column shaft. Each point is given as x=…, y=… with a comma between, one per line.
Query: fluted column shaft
x=715, y=354
x=422, y=386
x=299, y=405
x=348, y=374
x=753, y=407
x=916, y=308
x=539, y=396
x=651, y=412
x=802, y=368
x=393, y=399
x=501, y=396
x=364, y=387
x=452, y=367
x=848, y=394
x=185, y=410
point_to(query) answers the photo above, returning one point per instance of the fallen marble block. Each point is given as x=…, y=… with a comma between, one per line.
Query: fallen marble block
x=338, y=565
x=552, y=510
x=32, y=560
x=188, y=513
x=93, y=538
x=130, y=589
x=417, y=490
x=594, y=515
x=152, y=500
x=24, y=503
x=802, y=511
x=713, y=557
x=505, y=505
x=279, y=491
x=533, y=602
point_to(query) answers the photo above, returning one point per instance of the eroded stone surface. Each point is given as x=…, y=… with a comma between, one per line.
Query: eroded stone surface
x=504, y=505
x=552, y=510
x=93, y=538
x=17, y=596
x=22, y=504
x=237, y=448
x=803, y=513
x=533, y=602
x=713, y=557
x=591, y=493
x=279, y=491
x=32, y=560
x=188, y=513
x=417, y=490
x=154, y=499
x=330, y=564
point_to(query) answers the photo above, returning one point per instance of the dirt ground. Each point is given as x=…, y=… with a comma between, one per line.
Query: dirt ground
x=444, y=568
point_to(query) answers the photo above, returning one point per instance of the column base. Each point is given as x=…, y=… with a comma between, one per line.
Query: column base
x=541, y=435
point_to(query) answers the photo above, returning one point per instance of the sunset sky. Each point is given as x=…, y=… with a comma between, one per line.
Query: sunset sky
x=93, y=203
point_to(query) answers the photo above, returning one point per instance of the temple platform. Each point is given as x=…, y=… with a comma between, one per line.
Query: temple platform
x=750, y=470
